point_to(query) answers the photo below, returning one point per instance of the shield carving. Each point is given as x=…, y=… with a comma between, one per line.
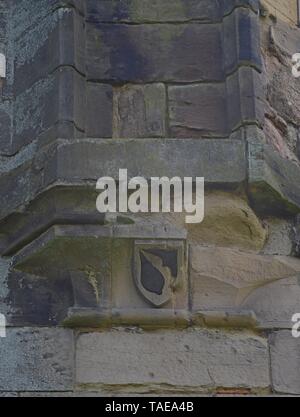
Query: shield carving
x=158, y=270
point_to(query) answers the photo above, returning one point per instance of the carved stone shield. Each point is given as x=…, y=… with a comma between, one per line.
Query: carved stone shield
x=158, y=269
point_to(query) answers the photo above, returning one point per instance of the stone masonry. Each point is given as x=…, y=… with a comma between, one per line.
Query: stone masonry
x=145, y=303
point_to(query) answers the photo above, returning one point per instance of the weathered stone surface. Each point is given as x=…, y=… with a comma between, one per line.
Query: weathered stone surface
x=140, y=11
x=285, y=38
x=241, y=40
x=273, y=181
x=280, y=234
x=296, y=237
x=140, y=111
x=153, y=52
x=282, y=114
x=245, y=95
x=63, y=27
x=275, y=303
x=285, y=362
x=188, y=359
x=5, y=123
x=217, y=109
x=99, y=110
x=173, y=157
x=224, y=278
x=198, y=110
x=25, y=13
x=282, y=10
x=46, y=106
x=283, y=88
x=36, y=359
x=34, y=301
x=229, y=5
x=283, y=94
x=282, y=137
x=4, y=266
x=228, y=221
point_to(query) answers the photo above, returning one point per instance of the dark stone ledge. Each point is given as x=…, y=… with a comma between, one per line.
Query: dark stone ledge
x=79, y=162
x=58, y=185
x=274, y=182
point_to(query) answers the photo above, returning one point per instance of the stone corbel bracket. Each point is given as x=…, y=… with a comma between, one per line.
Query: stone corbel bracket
x=96, y=256
x=274, y=182
x=101, y=261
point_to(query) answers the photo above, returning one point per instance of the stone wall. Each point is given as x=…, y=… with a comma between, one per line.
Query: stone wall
x=285, y=10
x=162, y=88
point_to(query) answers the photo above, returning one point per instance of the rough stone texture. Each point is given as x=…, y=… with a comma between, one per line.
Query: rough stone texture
x=197, y=110
x=275, y=303
x=34, y=301
x=241, y=40
x=35, y=359
x=280, y=236
x=188, y=359
x=224, y=278
x=273, y=181
x=285, y=362
x=184, y=158
x=282, y=9
x=175, y=88
x=43, y=57
x=141, y=11
x=4, y=267
x=245, y=98
x=140, y=111
x=153, y=52
x=51, y=107
x=280, y=42
x=228, y=221
x=156, y=49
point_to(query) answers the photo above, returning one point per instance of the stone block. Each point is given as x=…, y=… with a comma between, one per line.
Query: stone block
x=283, y=88
x=245, y=95
x=198, y=110
x=285, y=38
x=241, y=40
x=273, y=181
x=281, y=136
x=5, y=125
x=224, y=278
x=36, y=359
x=189, y=360
x=4, y=290
x=280, y=235
x=275, y=303
x=283, y=10
x=229, y=5
x=56, y=100
x=141, y=11
x=26, y=14
x=99, y=110
x=52, y=44
x=173, y=157
x=140, y=111
x=285, y=362
x=34, y=301
x=228, y=221
x=147, y=53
